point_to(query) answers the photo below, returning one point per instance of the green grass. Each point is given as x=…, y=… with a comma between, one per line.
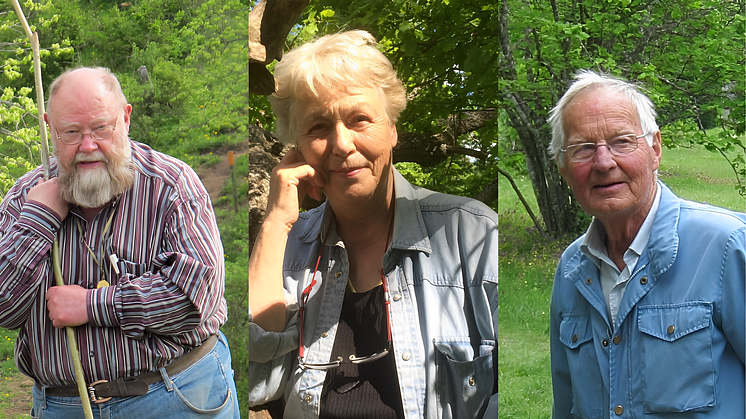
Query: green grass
x=527, y=263
x=702, y=176
x=10, y=377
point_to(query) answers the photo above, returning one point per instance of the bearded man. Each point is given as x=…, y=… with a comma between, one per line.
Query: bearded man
x=142, y=262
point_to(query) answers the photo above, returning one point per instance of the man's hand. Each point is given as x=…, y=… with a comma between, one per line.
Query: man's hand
x=291, y=181
x=67, y=305
x=48, y=193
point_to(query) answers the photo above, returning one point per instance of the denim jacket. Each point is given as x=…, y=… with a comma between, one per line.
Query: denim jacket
x=678, y=348
x=441, y=269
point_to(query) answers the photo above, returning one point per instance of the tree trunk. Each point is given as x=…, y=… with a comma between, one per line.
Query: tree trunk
x=557, y=205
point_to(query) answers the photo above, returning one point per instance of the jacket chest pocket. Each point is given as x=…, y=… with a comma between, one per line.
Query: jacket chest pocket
x=677, y=342
x=465, y=382
x=576, y=334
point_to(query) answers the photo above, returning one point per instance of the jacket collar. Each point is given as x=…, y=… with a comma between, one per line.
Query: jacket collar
x=663, y=245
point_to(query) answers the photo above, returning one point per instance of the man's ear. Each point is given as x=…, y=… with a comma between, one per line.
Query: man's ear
x=562, y=168
x=657, y=150
x=127, y=112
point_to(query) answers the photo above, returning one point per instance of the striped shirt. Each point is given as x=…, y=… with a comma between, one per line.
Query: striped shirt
x=166, y=299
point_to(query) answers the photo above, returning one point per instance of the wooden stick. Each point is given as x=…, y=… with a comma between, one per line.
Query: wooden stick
x=34, y=39
x=71, y=339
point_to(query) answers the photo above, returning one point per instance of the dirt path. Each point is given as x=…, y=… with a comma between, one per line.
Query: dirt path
x=215, y=176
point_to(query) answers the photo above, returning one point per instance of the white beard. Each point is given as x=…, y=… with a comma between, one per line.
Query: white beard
x=96, y=187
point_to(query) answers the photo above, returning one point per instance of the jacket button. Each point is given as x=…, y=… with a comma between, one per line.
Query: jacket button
x=406, y=356
x=618, y=410
x=671, y=329
x=337, y=274
x=644, y=280
x=471, y=381
x=324, y=334
x=574, y=338
x=588, y=281
x=308, y=398
x=617, y=339
x=397, y=297
x=605, y=342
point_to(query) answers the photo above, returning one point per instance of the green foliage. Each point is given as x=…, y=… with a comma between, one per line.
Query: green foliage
x=689, y=57
x=19, y=124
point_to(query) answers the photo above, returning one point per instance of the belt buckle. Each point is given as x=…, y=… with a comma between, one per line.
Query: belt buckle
x=92, y=392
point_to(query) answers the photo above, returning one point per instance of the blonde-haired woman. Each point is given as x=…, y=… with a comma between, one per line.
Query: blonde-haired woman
x=382, y=302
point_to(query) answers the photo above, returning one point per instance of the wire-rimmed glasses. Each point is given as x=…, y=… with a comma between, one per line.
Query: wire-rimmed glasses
x=72, y=136
x=352, y=358
x=618, y=146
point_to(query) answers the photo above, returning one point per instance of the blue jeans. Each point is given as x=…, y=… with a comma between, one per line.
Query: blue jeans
x=204, y=390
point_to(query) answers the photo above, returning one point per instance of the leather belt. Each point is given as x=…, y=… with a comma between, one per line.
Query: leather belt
x=103, y=390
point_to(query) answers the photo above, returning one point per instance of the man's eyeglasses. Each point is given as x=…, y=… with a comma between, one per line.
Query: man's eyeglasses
x=352, y=358
x=72, y=136
x=618, y=146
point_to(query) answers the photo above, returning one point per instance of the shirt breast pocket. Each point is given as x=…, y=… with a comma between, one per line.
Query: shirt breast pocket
x=127, y=268
x=576, y=334
x=464, y=382
x=678, y=374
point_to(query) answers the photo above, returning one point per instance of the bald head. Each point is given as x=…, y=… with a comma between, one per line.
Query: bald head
x=72, y=81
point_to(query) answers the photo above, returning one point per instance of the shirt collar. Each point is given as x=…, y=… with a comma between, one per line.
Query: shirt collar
x=409, y=233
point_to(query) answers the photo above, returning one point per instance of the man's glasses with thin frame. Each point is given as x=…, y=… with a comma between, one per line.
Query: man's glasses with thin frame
x=100, y=133
x=352, y=358
x=618, y=146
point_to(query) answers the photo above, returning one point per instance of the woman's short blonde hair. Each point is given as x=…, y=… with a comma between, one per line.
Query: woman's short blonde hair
x=346, y=59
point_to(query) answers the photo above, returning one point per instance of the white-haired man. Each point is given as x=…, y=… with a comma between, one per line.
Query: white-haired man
x=142, y=261
x=647, y=310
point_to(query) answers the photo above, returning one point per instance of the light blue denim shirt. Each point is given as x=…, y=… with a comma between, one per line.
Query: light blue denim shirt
x=678, y=347
x=441, y=268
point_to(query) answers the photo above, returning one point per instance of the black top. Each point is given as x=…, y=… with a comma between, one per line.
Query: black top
x=368, y=390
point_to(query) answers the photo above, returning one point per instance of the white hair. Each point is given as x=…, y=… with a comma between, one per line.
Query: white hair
x=585, y=79
x=333, y=62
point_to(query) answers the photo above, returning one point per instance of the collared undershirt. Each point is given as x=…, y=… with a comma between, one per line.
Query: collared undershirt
x=614, y=282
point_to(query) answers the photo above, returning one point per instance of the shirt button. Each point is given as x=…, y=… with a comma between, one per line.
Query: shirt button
x=588, y=281
x=618, y=410
x=644, y=280
x=324, y=334
x=308, y=398
x=671, y=329
x=338, y=274
x=574, y=338
x=471, y=381
x=406, y=356
x=397, y=297
x=617, y=339
x=605, y=342
x=91, y=354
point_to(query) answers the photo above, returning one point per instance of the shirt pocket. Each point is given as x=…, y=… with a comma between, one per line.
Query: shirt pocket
x=576, y=334
x=465, y=382
x=131, y=269
x=677, y=342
